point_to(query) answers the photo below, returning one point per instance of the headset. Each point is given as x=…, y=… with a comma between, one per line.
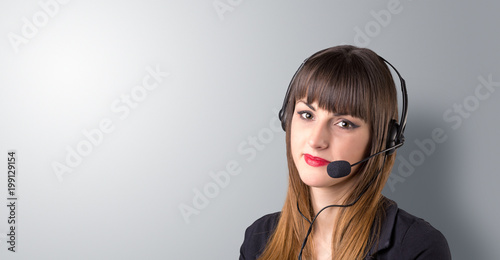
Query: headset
x=395, y=137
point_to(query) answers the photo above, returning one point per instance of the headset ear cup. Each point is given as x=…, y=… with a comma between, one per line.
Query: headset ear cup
x=392, y=136
x=282, y=117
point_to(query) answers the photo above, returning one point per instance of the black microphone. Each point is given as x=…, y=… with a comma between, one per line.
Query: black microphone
x=339, y=169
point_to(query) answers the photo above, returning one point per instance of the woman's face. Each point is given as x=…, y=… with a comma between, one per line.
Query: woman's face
x=319, y=137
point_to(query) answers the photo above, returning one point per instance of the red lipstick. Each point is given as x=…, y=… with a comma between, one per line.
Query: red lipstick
x=315, y=161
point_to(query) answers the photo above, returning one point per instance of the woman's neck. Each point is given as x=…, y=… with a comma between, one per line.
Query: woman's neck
x=325, y=221
x=324, y=226
x=333, y=195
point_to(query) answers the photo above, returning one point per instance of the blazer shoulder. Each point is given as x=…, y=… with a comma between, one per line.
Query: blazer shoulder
x=266, y=223
x=257, y=234
x=419, y=239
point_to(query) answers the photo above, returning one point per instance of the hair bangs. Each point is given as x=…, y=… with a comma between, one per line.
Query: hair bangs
x=337, y=87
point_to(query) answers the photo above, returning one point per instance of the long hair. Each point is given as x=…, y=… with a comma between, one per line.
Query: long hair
x=346, y=80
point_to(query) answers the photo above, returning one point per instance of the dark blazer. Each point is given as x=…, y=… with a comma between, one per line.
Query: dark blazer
x=403, y=237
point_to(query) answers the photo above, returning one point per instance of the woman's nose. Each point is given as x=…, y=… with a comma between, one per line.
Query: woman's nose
x=319, y=136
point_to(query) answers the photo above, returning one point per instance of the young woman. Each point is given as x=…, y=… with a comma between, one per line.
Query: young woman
x=341, y=107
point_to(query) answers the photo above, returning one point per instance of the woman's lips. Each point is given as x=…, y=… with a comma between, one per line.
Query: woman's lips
x=315, y=161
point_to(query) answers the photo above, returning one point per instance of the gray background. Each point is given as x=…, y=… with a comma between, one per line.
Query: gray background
x=228, y=76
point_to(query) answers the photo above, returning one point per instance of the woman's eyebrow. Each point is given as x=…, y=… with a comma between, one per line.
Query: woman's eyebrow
x=307, y=104
x=313, y=109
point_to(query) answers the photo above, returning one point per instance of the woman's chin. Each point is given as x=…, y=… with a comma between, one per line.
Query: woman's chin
x=317, y=180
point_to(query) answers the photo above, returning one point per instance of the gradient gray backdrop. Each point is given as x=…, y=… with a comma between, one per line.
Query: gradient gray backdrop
x=230, y=62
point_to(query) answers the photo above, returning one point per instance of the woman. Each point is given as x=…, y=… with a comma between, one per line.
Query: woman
x=341, y=106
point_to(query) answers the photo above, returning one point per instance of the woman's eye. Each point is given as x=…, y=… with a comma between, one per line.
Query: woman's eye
x=305, y=115
x=346, y=124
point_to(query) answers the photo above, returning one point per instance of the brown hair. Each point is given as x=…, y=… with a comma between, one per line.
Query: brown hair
x=347, y=80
